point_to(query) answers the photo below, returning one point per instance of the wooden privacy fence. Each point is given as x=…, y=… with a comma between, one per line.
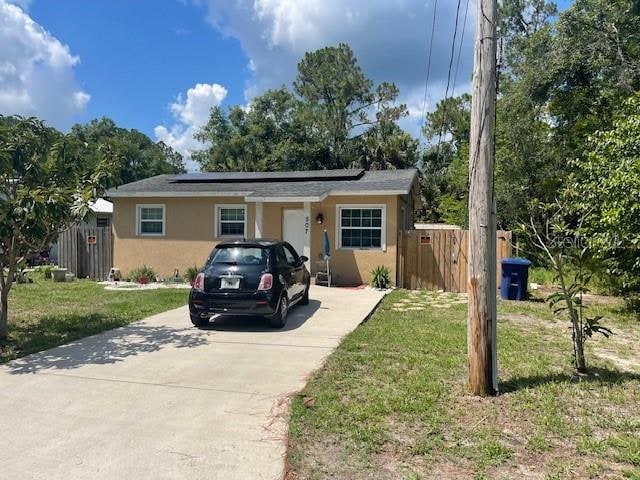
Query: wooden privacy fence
x=87, y=252
x=437, y=259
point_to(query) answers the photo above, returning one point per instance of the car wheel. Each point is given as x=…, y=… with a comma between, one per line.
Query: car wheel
x=279, y=320
x=305, y=296
x=199, y=321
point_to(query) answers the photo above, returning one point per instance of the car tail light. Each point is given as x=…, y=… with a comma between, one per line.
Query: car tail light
x=266, y=282
x=198, y=283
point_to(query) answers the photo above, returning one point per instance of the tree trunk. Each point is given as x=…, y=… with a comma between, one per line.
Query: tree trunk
x=4, y=313
x=581, y=364
x=578, y=340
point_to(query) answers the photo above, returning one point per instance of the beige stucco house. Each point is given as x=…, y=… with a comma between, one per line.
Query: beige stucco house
x=173, y=222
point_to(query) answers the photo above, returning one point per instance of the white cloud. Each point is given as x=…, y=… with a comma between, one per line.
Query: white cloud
x=389, y=38
x=195, y=109
x=191, y=114
x=36, y=71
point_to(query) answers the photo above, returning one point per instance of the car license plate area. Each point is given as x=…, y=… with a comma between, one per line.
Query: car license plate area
x=230, y=283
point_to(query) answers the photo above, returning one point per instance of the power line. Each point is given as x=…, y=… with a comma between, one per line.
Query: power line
x=426, y=83
x=464, y=28
x=446, y=92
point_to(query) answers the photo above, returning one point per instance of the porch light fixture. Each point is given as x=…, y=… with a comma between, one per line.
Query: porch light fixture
x=319, y=218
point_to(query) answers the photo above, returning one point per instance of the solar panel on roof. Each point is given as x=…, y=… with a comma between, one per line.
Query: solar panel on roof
x=251, y=177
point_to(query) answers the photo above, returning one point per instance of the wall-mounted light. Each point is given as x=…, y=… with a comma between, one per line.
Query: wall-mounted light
x=319, y=218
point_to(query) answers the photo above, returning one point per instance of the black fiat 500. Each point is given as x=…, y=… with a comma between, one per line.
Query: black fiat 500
x=250, y=277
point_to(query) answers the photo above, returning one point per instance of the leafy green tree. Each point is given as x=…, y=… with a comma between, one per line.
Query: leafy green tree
x=341, y=102
x=269, y=135
x=45, y=186
x=445, y=161
x=605, y=190
x=334, y=118
x=555, y=232
x=139, y=156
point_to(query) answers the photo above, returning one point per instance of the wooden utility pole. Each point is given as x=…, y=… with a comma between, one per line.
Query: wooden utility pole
x=481, y=323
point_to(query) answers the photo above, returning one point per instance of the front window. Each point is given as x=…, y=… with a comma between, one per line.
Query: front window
x=361, y=227
x=151, y=219
x=232, y=221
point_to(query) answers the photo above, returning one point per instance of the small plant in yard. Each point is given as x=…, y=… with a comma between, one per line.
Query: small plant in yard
x=143, y=274
x=46, y=271
x=569, y=255
x=191, y=274
x=381, y=277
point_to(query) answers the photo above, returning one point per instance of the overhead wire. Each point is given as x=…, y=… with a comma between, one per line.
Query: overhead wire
x=426, y=83
x=446, y=92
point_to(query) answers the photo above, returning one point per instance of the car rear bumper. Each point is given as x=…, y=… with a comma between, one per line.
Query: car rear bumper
x=250, y=304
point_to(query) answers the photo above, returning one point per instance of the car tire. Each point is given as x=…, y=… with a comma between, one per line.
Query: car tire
x=279, y=319
x=305, y=296
x=199, y=321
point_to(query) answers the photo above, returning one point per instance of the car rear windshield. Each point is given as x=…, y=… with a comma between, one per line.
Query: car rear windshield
x=240, y=256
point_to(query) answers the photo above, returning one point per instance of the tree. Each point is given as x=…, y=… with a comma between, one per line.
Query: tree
x=555, y=231
x=138, y=155
x=268, y=135
x=341, y=101
x=444, y=162
x=605, y=189
x=45, y=186
x=334, y=118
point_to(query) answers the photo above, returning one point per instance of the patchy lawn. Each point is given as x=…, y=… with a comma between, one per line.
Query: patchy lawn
x=391, y=402
x=45, y=314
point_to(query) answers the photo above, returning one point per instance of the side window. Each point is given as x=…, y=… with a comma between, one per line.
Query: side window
x=281, y=257
x=292, y=258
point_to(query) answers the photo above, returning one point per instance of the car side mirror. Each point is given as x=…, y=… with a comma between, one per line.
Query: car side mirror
x=304, y=259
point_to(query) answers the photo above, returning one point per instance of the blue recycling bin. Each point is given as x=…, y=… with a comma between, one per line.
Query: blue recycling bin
x=515, y=278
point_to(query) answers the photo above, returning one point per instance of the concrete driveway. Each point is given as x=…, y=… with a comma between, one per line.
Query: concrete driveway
x=159, y=399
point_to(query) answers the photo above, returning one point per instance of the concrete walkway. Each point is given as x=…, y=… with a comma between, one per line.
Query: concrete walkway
x=159, y=399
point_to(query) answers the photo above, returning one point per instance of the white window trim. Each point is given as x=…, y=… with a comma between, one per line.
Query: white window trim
x=139, y=219
x=217, y=222
x=383, y=227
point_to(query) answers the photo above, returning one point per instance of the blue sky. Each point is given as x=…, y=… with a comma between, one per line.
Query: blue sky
x=159, y=65
x=137, y=56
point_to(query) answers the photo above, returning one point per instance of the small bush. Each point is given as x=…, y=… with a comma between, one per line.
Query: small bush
x=143, y=274
x=46, y=271
x=191, y=274
x=381, y=277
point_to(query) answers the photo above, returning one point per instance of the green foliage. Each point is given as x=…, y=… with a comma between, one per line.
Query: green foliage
x=334, y=117
x=46, y=271
x=381, y=277
x=605, y=190
x=191, y=274
x=569, y=257
x=143, y=274
x=138, y=156
x=46, y=184
x=563, y=77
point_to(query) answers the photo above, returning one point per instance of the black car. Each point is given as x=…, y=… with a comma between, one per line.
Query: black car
x=251, y=278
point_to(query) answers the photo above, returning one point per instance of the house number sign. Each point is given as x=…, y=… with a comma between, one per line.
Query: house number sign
x=92, y=240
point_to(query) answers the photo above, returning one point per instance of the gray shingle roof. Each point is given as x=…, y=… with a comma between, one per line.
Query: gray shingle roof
x=284, y=185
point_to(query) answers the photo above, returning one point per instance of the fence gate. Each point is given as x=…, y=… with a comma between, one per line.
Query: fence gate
x=86, y=252
x=437, y=259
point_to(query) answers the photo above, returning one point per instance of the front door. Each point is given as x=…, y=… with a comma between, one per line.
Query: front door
x=293, y=228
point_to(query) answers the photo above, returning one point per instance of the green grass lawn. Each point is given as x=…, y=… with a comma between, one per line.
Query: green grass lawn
x=45, y=314
x=391, y=402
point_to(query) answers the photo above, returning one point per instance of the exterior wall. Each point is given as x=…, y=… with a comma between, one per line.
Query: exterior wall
x=189, y=233
x=272, y=218
x=348, y=266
